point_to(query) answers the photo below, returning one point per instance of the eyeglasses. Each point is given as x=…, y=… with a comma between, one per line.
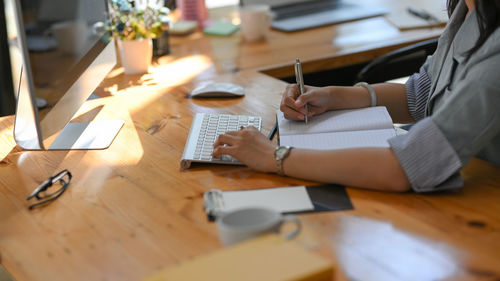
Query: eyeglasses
x=40, y=193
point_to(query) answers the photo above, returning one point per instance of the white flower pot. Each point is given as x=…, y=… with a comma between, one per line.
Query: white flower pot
x=136, y=55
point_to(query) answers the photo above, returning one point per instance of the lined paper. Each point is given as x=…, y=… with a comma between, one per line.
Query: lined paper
x=369, y=118
x=340, y=140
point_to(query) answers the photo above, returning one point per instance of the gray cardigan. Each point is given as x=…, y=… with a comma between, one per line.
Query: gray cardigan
x=456, y=99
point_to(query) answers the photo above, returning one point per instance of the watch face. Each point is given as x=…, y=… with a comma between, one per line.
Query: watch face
x=281, y=152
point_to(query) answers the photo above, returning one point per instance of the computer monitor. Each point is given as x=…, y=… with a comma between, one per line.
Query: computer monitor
x=57, y=59
x=7, y=97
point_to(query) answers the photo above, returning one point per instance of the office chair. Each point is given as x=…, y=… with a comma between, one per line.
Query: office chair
x=396, y=64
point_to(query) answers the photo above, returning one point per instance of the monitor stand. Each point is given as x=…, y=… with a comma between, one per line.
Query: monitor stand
x=87, y=135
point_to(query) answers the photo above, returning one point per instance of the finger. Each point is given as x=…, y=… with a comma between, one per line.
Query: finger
x=292, y=91
x=301, y=101
x=308, y=97
x=316, y=109
x=287, y=103
x=289, y=97
x=292, y=112
x=294, y=115
x=232, y=133
x=225, y=139
x=229, y=150
x=252, y=128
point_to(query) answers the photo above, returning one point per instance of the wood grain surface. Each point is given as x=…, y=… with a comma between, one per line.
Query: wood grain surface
x=130, y=210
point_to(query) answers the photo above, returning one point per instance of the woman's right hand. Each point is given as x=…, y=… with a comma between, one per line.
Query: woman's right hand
x=293, y=104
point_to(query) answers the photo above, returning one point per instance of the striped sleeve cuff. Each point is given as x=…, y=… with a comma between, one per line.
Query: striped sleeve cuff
x=428, y=159
x=417, y=93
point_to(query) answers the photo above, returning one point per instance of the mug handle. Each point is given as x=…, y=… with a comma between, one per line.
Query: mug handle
x=298, y=224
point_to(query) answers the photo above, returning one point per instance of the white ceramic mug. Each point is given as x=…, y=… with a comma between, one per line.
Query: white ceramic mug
x=242, y=224
x=255, y=22
x=71, y=36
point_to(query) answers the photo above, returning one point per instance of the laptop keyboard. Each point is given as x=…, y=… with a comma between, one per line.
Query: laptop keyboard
x=301, y=9
x=323, y=12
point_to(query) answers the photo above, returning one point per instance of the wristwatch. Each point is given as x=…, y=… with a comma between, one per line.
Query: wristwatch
x=280, y=153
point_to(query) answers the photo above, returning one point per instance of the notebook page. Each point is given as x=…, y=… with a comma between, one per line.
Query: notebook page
x=402, y=19
x=369, y=118
x=340, y=140
x=283, y=199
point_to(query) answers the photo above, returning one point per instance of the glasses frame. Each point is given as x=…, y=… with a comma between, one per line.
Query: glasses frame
x=63, y=177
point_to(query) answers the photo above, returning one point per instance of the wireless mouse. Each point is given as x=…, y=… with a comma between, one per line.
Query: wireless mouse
x=218, y=90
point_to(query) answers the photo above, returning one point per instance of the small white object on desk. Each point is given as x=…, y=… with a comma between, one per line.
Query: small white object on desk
x=242, y=224
x=183, y=27
x=218, y=90
x=284, y=199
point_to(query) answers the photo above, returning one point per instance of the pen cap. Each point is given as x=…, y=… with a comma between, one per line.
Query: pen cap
x=299, y=78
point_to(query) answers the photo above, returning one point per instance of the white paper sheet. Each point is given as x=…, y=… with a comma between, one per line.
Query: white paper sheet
x=342, y=140
x=369, y=118
x=283, y=199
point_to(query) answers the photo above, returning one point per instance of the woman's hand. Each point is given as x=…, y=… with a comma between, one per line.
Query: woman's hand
x=293, y=104
x=250, y=147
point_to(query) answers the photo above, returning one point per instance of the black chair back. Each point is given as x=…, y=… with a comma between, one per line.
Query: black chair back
x=396, y=64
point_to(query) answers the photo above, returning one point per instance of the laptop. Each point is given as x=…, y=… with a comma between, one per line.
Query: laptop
x=295, y=15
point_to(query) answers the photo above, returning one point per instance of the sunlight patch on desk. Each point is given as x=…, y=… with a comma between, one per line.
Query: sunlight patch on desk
x=159, y=81
x=95, y=179
x=374, y=250
x=166, y=73
x=6, y=141
x=127, y=142
x=179, y=71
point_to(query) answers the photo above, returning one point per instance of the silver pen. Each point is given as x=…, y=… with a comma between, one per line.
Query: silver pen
x=300, y=82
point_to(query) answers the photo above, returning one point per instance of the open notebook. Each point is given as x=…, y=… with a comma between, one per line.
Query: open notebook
x=340, y=129
x=402, y=19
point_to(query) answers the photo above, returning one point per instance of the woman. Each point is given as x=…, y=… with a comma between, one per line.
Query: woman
x=454, y=100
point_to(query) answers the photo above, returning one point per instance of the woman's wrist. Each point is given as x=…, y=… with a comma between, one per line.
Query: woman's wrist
x=371, y=92
x=348, y=98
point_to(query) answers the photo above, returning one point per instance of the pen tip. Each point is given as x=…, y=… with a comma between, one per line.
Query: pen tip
x=297, y=60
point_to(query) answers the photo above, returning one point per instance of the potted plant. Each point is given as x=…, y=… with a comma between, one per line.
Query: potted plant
x=134, y=23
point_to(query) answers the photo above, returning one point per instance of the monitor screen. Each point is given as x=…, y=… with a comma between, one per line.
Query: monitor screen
x=274, y=3
x=57, y=61
x=7, y=97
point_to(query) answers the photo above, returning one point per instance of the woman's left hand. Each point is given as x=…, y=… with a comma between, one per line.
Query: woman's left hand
x=250, y=147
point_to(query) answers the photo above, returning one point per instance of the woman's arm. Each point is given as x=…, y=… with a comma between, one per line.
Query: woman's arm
x=393, y=96
x=373, y=168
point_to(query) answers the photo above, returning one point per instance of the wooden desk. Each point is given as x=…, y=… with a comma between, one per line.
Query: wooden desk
x=130, y=210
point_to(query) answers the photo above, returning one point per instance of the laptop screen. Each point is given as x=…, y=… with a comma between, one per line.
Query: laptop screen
x=275, y=3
